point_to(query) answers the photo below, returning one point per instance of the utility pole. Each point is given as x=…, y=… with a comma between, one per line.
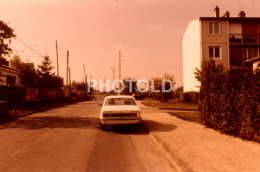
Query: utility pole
x=69, y=84
x=119, y=71
x=104, y=84
x=85, y=81
x=57, y=58
x=90, y=84
x=113, y=71
x=67, y=71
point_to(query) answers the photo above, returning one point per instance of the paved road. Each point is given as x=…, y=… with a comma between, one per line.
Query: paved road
x=70, y=139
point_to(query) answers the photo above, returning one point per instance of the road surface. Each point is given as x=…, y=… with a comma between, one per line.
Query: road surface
x=69, y=138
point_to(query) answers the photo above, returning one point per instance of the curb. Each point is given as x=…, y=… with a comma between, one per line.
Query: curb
x=188, y=110
x=164, y=150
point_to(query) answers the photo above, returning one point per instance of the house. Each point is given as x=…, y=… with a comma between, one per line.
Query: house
x=9, y=76
x=231, y=41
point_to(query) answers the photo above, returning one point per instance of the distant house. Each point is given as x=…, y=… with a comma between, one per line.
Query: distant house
x=9, y=76
x=231, y=41
x=28, y=77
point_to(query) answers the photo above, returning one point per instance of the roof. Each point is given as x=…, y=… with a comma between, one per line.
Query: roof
x=6, y=68
x=119, y=96
x=256, y=59
x=233, y=19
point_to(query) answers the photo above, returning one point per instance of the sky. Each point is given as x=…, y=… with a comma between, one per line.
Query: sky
x=147, y=32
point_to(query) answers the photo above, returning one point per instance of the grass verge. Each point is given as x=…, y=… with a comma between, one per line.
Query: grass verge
x=188, y=116
x=171, y=106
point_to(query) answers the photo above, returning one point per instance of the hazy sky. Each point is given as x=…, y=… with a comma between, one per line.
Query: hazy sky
x=148, y=32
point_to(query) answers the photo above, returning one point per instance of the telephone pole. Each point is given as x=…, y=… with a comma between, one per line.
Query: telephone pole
x=69, y=84
x=120, y=65
x=85, y=81
x=119, y=71
x=104, y=85
x=113, y=71
x=67, y=71
x=57, y=58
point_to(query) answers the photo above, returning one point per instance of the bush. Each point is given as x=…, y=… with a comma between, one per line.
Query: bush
x=190, y=97
x=229, y=100
x=81, y=96
x=13, y=95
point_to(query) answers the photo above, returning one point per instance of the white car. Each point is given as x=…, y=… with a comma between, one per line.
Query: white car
x=117, y=110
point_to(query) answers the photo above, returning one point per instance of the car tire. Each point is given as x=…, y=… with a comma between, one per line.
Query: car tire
x=138, y=126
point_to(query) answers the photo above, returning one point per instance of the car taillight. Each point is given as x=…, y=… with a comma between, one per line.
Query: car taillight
x=136, y=114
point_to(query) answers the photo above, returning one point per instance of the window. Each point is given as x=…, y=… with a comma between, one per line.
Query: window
x=214, y=52
x=120, y=101
x=251, y=53
x=214, y=28
x=10, y=80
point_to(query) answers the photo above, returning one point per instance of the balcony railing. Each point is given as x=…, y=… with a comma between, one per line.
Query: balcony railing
x=244, y=38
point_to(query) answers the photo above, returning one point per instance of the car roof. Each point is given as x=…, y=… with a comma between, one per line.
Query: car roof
x=119, y=96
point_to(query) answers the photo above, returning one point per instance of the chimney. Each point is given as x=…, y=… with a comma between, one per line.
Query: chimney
x=226, y=14
x=242, y=14
x=216, y=12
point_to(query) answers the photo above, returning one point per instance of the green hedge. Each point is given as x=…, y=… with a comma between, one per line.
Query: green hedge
x=189, y=97
x=229, y=100
x=13, y=95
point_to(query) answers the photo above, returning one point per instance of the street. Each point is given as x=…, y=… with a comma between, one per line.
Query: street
x=69, y=138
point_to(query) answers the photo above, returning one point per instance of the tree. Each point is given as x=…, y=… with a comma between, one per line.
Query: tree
x=16, y=61
x=6, y=34
x=158, y=85
x=130, y=86
x=46, y=78
x=28, y=77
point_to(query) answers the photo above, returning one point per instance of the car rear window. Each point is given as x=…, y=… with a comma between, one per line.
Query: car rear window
x=120, y=101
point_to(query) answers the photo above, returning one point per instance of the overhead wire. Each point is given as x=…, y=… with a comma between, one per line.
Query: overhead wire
x=10, y=17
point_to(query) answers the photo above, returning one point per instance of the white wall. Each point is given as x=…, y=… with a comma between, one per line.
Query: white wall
x=255, y=65
x=4, y=71
x=191, y=55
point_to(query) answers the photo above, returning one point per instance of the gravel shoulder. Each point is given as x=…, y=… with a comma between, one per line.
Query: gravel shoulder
x=197, y=148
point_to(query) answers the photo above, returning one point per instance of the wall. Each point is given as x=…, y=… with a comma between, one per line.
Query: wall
x=4, y=71
x=221, y=40
x=191, y=55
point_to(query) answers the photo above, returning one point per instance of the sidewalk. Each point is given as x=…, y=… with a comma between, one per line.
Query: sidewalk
x=193, y=147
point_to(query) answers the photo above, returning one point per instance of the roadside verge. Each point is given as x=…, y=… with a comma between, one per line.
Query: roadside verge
x=193, y=147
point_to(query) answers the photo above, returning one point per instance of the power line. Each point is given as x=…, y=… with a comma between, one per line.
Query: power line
x=30, y=47
x=35, y=51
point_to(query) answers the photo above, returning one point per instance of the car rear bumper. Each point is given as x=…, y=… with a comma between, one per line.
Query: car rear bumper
x=120, y=121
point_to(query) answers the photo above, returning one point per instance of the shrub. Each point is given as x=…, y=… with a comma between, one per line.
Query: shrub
x=13, y=95
x=190, y=97
x=229, y=100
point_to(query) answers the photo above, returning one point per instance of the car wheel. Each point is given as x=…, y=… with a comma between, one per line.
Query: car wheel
x=138, y=126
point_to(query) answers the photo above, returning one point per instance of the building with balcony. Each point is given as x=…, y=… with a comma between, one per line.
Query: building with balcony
x=231, y=41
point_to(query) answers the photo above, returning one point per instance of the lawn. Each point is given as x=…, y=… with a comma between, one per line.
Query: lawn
x=171, y=106
x=188, y=116
x=189, y=113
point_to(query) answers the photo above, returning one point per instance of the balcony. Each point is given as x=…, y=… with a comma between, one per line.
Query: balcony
x=244, y=38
